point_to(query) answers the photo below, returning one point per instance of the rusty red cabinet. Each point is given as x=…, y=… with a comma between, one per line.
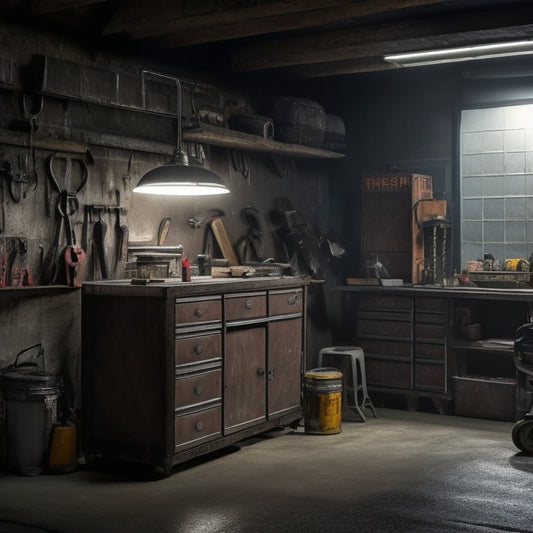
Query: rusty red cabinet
x=171, y=371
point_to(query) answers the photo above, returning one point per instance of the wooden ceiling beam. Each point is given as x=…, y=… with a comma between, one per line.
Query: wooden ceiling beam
x=44, y=7
x=338, y=68
x=371, y=59
x=364, y=41
x=188, y=22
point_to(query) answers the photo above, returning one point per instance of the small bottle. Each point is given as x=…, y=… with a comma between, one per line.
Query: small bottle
x=185, y=269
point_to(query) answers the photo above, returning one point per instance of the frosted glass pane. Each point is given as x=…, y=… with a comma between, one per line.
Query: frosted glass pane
x=493, y=231
x=493, y=141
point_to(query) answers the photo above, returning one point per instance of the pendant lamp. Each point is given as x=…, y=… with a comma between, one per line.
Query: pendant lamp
x=178, y=178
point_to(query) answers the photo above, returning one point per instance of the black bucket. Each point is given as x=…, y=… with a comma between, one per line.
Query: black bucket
x=30, y=397
x=323, y=401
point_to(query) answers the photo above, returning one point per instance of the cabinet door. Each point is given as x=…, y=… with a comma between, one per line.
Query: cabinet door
x=284, y=365
x=244, y=378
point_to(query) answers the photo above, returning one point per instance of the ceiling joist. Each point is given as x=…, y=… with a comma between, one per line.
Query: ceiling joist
x=379, y=39
x=296, y=38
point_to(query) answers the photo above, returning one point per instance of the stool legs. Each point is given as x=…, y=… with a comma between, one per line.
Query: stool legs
x=366, y=401
x=357, y=363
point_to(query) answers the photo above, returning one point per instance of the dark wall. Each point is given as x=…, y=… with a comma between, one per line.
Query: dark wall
x=116, y=136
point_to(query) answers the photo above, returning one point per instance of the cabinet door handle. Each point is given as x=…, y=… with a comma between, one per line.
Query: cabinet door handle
x=260, y=371
x=199, y=313
x=271, y=374
x=198, y=390
x=248, y=304
x=198, y=349
x=199, y=426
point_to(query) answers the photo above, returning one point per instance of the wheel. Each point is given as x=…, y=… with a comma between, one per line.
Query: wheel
x=523, y=436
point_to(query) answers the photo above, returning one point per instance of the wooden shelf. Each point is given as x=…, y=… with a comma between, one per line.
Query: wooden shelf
x=34, y=291
x=237, y=140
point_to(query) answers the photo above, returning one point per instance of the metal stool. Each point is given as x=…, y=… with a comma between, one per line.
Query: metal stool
x=358, y=385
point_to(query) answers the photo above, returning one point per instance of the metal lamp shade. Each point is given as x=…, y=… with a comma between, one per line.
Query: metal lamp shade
x=178, y=179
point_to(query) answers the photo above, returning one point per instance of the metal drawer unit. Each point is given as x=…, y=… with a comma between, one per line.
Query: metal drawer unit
x=198, y=361
x=430, y=343
x=384, y=331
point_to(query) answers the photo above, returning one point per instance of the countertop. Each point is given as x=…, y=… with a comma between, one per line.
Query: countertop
x=199, y=285
x=447, y=292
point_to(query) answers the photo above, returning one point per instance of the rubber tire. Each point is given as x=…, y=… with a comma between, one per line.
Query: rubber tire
x=523, y=436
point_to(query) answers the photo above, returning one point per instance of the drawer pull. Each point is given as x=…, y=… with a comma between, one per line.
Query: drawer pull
x=248, y=304
x=292, y=300
x=260, y=371
x=199, y=313
x=198, y=349
x=199, y=426
x=198, y=390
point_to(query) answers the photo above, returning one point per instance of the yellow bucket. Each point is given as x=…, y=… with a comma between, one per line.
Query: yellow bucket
x=323, y=401
x=63, y=449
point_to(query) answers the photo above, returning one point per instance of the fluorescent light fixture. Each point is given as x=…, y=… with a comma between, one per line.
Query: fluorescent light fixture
x=178, y=178
x=464, y=53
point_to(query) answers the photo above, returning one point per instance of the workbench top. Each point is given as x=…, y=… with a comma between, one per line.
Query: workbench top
x=198, y=286
x=447, y=292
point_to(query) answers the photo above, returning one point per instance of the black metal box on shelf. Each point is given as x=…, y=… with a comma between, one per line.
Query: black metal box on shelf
x=483, y=397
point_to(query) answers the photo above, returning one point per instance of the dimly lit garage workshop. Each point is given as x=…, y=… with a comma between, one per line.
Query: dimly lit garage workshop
x=266, y=266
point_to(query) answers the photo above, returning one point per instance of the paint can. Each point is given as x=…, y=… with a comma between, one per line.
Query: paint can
x=322, y=401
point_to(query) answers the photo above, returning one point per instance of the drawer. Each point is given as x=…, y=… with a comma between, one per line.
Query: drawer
x=383, y=315
x=431, y=376
x=430, y=351
x=431, y=305
x=200, y=425
x=388, y=373
x=197, y=348
x=430, y=318
x=388, y=348
x=383, y=328
x=198, y=310
x=245, y=306
x=376, y=301
x=194, y=389
x=430, y=331
x=285, y=302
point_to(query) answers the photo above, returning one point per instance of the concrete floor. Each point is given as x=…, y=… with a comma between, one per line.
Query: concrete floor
x=405, y=471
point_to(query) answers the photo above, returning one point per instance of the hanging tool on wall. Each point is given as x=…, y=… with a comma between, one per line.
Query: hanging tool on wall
x=99, y=233
x=126, y=178
x=164, y=228
x=25, y=177
x=19, y=273
x=2, y=208
x=250, y=246
x=122, y=234
x=241, y=163
x=300, y=243
x=204, y=218
x=63, y=266
x=21, y=181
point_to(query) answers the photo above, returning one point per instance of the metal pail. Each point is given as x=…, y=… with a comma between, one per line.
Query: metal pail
x=30, y=411
x=323, y=401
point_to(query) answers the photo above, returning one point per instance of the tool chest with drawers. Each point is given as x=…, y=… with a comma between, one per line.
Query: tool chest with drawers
x=173, y=371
